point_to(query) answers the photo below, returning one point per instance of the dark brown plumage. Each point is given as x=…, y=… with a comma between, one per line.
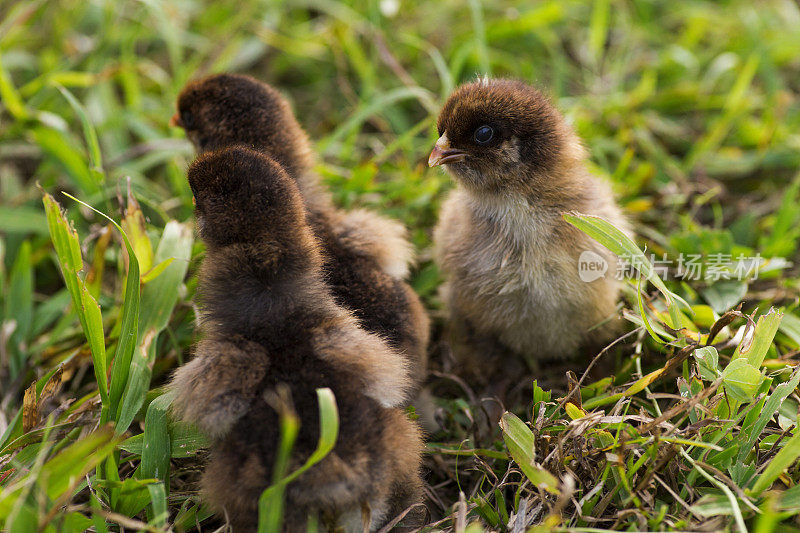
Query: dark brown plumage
x=269, y=320
x=510, y=260
x=364, y=255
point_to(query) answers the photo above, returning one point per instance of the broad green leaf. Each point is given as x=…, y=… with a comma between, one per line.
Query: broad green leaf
x=23, y=519
x=704, y=316
x=132, y=495
x=573, y=411
x=725, y=294
x=74, y=523
x=756, y=350
x=160, y=294
x=138, y=381
x=741, y=380
x=707, y=362
x=790, y=326
x=157, y=448
x=520, y=442
x=713, y=505
x=539, y=394
x=136, y=229
x=158, y=498
x=158, y=299
x=185, y=441
x=790, y=499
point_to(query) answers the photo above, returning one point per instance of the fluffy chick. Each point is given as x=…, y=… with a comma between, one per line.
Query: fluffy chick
x=269, y=321
x=365, y=255
x=510, y=260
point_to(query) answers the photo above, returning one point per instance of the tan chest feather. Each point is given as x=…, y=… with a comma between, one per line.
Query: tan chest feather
x=512, y=259
x=512, y=248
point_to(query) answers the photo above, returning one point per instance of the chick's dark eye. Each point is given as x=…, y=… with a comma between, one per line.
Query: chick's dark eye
x=187, y=118
x=484, y=134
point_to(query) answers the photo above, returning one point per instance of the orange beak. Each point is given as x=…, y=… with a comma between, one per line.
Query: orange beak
x=175, y=121
x=443, y=154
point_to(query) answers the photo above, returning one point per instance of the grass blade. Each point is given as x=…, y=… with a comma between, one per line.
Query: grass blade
x=158, y=497
x=65, y=241
x=753, y=432
x=89, y=133
x=479, y=33
x=598, y=28
x=783, y=460
x=129, y=330
x=63, y=472
x=616, y=241
x=271, y=502
x=156, y=451
x=10, y=96
x=756, y=350
x=19, y=306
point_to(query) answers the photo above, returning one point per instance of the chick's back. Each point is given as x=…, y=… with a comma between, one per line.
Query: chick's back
x=270, y=324
x=365, y=255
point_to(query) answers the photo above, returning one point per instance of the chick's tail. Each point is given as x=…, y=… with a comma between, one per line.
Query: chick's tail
x=217, y=387
x=383, y=239
x=370, y=477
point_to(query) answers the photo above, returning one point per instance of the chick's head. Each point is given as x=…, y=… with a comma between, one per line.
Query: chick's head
x=244, y=196
x=501, y=135
x=231, y=109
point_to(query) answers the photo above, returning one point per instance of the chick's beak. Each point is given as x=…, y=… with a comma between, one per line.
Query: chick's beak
x=443, y=154
x=176, y=121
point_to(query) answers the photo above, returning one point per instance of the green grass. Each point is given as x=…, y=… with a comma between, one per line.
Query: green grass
x=690, y=108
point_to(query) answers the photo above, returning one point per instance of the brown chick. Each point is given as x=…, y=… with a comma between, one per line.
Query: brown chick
x=365, y=256
x=513, y=287
x=269, y=321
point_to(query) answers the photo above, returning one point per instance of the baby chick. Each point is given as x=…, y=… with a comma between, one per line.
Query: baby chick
x=269, y=321
x=365, y=255
x=511, y=261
